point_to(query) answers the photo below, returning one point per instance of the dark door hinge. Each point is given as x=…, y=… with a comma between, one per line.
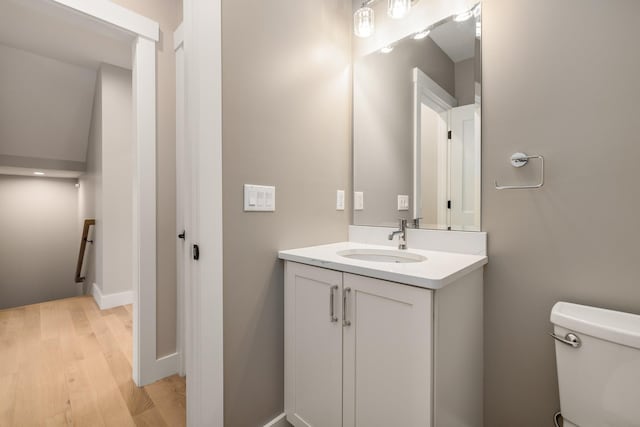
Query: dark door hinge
x=196, y=252
x=448, y=204
x=449, y=135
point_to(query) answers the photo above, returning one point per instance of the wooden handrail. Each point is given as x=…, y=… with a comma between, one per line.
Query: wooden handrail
x=83, y=246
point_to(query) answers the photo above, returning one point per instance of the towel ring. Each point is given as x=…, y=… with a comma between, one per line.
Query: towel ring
x=519, y=160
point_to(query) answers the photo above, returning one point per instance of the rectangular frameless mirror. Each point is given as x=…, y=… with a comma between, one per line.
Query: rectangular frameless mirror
x=416, y=128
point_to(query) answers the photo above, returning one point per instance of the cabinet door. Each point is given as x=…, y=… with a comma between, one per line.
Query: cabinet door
x=387, y=354
x=313, y=346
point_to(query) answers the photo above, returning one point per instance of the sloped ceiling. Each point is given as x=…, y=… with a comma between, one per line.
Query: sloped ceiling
x=45, y=106
x=49, y=61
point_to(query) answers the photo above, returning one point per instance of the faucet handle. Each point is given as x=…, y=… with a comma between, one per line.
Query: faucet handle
x=402, y=223
x=416, y=222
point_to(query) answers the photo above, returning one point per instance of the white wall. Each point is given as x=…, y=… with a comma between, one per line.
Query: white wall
x=38, y=225
x=106, y=190
x=117, y=180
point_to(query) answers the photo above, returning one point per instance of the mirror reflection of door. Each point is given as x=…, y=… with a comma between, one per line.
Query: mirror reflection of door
x=434, y=160
x=465, y=168
x=448, y=149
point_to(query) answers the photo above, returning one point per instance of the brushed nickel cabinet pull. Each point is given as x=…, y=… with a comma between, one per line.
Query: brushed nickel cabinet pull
x=345, y=322
x=332, y=312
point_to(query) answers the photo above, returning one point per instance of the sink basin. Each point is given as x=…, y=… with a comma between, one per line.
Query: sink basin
x=381, y=255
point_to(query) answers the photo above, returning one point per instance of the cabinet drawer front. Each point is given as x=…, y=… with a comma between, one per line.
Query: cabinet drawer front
x=387, y=354
x=313, y=346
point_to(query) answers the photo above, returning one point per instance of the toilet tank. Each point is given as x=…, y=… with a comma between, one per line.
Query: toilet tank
x=599, y=380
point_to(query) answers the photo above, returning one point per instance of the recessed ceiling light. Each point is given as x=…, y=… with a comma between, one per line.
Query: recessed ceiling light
x=386, y=49
x=422, y=34
x=38, y=173
x=463, y=16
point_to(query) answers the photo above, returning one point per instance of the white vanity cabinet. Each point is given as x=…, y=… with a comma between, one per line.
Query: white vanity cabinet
x=365, y=352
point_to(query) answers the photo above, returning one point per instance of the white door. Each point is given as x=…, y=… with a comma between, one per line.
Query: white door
x=465, y=168
x=387, y=354
x=313, y=346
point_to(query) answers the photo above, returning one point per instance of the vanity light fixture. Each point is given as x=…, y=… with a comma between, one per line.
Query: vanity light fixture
x=386, y=49
x=463, y=16
x=38, y=173
x=421, y=34
x=398, y=8
x=363, y=21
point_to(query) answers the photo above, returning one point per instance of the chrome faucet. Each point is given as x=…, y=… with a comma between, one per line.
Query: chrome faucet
x=402, y=234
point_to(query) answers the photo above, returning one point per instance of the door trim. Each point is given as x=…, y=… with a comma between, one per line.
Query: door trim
x=144, y=33
x=202, y=30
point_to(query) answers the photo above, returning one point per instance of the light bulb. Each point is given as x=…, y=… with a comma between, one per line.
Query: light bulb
x=421, y=35
x=387, y=49
x=463, y=16
x=398, y=8
x=363, y=22
x=38, y=173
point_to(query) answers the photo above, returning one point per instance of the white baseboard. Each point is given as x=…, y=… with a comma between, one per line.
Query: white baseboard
x=165, y=366
x=279, y=421
x=106, y=301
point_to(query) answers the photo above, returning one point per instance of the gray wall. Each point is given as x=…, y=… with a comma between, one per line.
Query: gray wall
x=465, y=92
x=286, y=122
x=40, y=240
x=168, y=13
x=383, y=130
x=567, y=89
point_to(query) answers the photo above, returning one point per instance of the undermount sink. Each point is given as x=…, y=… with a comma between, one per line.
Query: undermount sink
x=381, y=255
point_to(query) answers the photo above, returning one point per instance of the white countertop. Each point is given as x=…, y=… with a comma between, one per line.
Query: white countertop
x=437, y=271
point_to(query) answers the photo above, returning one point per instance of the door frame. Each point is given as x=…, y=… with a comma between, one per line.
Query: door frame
x=183, y=209
x=202, y=30
x=144, y=34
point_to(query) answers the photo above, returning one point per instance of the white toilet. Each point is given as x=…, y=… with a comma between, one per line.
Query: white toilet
x=598, y=358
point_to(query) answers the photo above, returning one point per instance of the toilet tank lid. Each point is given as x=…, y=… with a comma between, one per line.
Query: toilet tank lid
x=614, y=326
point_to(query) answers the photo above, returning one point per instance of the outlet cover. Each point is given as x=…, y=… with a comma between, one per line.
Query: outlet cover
x=403, y=202
x=340, y=200
x=358, y=201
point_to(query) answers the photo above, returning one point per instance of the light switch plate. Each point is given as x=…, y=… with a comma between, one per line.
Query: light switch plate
x=259, y=198
x=403, y=202
x=340, y=200
x=358, y=201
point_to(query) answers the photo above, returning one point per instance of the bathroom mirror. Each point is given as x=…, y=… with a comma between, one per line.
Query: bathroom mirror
x=416, y=128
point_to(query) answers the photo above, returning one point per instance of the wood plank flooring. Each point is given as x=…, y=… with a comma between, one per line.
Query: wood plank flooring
x=67, y=363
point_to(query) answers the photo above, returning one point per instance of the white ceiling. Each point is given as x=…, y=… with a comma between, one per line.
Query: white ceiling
x=44, y=28
x=456, y=39
x=45, y=106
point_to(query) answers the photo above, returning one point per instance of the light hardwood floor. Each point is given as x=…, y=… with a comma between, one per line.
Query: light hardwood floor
x=66, y=362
